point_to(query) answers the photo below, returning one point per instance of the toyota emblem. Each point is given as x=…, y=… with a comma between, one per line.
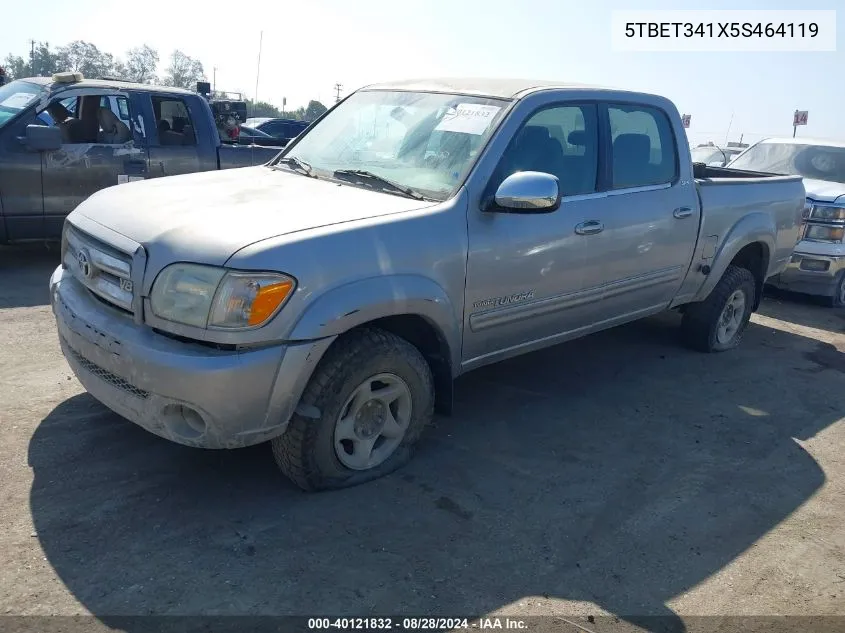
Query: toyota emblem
x=84, y=261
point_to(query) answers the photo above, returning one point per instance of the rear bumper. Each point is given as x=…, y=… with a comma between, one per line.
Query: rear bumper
x=185, y=392
x=799, y=276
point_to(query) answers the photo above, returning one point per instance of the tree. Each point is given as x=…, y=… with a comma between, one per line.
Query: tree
x=42, y=62
x=262, y=109
x=184, y=71
x=314, y=110
x=141, y=64
x=86, y=58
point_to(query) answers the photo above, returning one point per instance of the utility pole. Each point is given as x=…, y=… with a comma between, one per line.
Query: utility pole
x=32, y=58
x=214, y=80
x=337, y=88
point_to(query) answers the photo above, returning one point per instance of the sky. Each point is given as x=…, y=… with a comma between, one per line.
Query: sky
x=309, y=46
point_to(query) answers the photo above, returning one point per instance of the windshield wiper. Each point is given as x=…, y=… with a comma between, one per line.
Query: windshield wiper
x=363, y=175
x=297, y=164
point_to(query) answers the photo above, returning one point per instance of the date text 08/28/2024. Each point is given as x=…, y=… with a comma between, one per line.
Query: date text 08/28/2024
x=416, y=624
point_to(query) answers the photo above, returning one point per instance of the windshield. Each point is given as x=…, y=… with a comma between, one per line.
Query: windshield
x=421, y=141
x=16, y=96
x=706, y=155
x=819, y=162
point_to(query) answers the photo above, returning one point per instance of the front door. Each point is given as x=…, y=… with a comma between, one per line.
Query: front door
x=529, y=276
x=99, y=150
x=20, y=185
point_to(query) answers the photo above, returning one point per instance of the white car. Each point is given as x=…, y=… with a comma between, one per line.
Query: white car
x=818, y=264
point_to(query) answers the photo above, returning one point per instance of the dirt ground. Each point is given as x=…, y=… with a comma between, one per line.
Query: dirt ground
x=619, y=474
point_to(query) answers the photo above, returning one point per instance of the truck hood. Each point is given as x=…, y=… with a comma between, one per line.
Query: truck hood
x=823, y=190
x=209, y=216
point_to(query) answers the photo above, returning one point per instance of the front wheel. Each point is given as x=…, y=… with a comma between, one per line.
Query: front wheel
x=718, y=323
x=838, y=298
x=374, y=393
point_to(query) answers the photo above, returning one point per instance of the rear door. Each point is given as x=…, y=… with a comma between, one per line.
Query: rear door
x=173, y=140
x=649, y=217
x=89, y=160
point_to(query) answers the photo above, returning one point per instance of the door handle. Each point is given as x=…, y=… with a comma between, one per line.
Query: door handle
x=682, y=212
x=590, y=227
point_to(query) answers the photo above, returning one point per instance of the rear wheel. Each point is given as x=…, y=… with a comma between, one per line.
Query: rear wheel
x=374, y=395
x=718, y=323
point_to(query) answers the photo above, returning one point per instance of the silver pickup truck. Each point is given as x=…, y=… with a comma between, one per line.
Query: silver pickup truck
x=327, y=300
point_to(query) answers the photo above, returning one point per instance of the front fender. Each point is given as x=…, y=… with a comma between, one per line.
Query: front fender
x=753, y=228
x=342, y=308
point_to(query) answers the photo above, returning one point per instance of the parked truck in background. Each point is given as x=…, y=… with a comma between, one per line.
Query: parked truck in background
x=419, y=230
x=818, y=265
x=65, y=137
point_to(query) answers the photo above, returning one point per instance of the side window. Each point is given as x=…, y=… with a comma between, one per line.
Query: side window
x=274, y=129
x=562, y=141
x=118, y=105
x=114, y=121
x=643, y=146
x=173, y=121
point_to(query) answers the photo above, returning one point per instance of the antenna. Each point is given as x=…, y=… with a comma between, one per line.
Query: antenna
x=337, y=88
x=729, y=127
x=257, y=71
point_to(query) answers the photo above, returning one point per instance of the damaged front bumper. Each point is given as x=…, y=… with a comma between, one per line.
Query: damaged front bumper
x=810, y=273
x=186, y=392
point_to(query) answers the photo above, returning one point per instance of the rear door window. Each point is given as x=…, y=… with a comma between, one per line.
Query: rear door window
x=643, y=146
x=173, y=121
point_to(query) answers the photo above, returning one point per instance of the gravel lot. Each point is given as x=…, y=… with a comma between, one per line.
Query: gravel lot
x=619, y=474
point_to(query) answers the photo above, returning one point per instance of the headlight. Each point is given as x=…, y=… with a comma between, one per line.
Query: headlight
x=249, y=299
x=207, y=296
x=824, y=233
x=824, y=212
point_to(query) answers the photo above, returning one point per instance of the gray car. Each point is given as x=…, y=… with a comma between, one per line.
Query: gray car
x=327, y=300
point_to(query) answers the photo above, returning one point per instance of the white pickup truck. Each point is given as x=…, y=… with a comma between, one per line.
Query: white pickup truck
x=418, y=230
x=818, y=265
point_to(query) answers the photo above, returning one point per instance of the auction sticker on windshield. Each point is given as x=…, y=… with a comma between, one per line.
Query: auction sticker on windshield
x=468, y=118
x=18, y=101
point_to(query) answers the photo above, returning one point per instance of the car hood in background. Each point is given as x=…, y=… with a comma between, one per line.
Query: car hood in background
x=823, y=190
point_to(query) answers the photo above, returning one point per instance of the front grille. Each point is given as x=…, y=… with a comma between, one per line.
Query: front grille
x=106, y=375
x=102, y=269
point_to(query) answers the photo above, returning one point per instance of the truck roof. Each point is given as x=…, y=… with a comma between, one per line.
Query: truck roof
x=105, y=83
x=487, y=87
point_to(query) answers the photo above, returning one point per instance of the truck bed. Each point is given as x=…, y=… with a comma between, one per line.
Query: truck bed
x=735, y=201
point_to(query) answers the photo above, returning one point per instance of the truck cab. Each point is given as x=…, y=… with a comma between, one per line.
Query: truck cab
x=63, y=138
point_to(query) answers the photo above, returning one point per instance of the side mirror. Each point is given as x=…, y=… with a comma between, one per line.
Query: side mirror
x=529, y=192
x=43, y=138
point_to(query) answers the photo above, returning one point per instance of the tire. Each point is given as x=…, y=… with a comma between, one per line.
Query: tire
x=838, y=298
x=309, y=451
x=701, y=327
